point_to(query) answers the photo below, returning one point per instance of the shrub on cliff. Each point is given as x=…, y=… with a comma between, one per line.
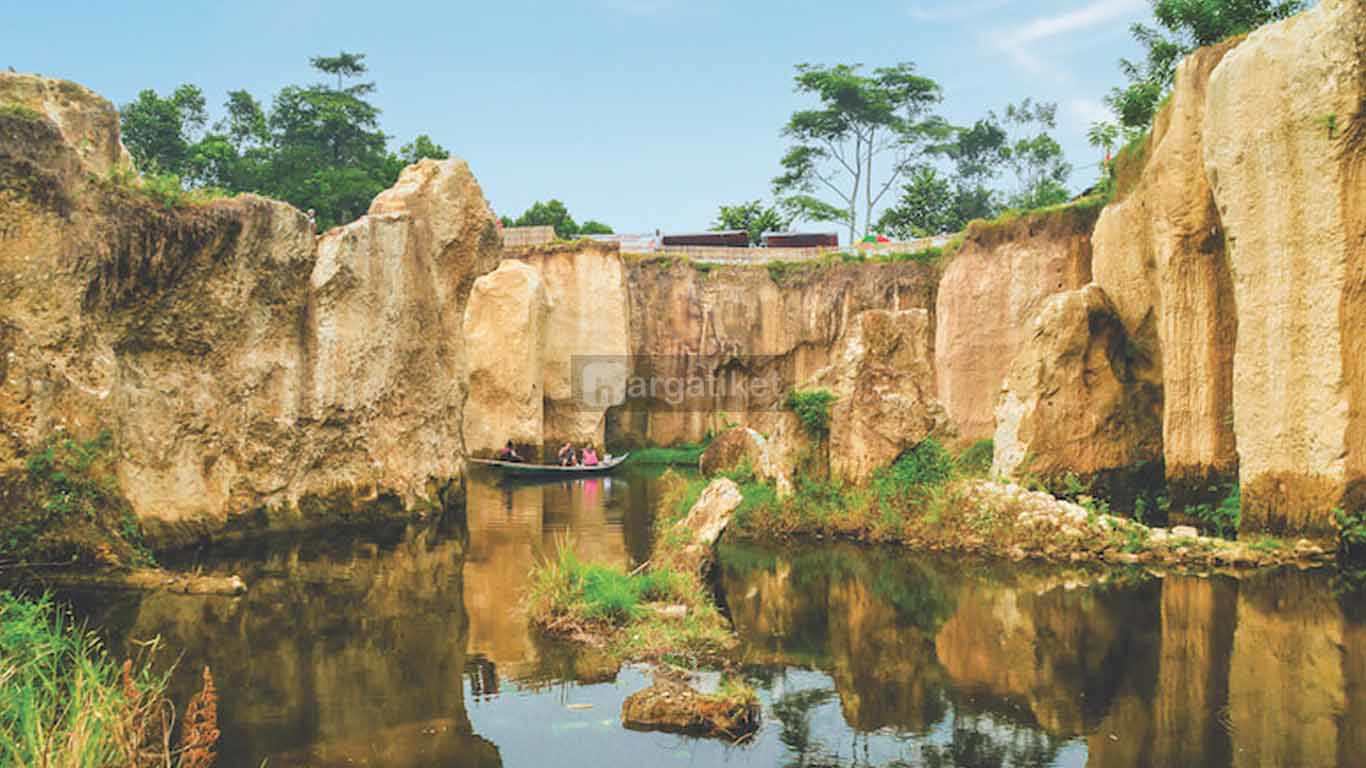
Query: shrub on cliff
x=812, y=407
x=65, y=702
x=66, y=507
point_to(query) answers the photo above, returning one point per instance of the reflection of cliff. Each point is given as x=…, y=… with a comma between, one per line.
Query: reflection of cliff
x=342, y=653
x=511, y=527
x=1286, y=687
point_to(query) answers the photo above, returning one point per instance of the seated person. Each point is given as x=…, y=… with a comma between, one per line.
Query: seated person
x=566, y=455
x=509, y=453
x=590, y=456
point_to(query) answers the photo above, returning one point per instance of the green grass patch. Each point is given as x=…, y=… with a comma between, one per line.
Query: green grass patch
x=20, y=112
x=975, y=460
x=65, y=702
x=1224, y=518
x=678, y=455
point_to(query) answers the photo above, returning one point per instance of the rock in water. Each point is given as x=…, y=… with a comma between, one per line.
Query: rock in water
x=705, y=523
x=675, y=707
x=1071, y=402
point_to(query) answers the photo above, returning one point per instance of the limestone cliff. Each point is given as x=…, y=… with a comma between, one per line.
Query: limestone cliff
x=1160, y=256
x=759, y=326
x=1286, y=158
x=991, y=288
x=246, y=372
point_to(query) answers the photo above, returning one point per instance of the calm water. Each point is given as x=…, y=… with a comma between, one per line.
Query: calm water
x=407, y=648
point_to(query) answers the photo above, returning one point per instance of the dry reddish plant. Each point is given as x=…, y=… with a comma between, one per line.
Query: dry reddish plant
x=199, y=733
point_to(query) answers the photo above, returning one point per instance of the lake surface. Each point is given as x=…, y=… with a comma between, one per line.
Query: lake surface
x=407, y=647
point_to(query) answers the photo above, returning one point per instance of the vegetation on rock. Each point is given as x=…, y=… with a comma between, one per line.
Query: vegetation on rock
x=813, y=409
x=65, y=702
x=66, y=507
x=731, y=711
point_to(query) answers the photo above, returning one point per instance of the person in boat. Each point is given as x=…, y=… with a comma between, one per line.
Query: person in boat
x=566, y=455
x=509, y=453
x=590, y=456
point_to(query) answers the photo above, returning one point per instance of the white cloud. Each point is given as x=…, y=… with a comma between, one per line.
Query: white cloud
x=1088, y=111
x=1018, y=41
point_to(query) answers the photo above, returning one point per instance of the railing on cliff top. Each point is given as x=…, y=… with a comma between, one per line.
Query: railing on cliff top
x=649, y=244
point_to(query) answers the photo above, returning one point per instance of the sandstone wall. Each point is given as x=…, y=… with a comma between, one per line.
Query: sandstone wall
x=505, y=326
x=995, y=283
x=1284, y=156
x=1160, y=256
x=712, y=323
x=246, y=372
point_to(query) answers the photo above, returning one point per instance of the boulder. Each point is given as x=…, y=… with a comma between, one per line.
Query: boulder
x=705, y=523
x=882, y=376
x=1071, y=402
x=1160, y=256
x=505, y=335
x=676, y=707
x=995, y=283
x=1285, y=153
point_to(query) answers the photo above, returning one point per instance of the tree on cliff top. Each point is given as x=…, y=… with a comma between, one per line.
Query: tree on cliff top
x=319, y=146
x=1189, y=24
x=864, y=124
x=554, y=213
x=754, y=217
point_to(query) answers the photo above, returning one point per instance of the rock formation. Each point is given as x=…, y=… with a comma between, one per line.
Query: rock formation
x=747, y=333
x=505, y=327
x=883, y=378
x=1160, y=256
x=1286, y=157
x=245, y=373
x=705, y=523
x=990, y=289
x=1071, y=402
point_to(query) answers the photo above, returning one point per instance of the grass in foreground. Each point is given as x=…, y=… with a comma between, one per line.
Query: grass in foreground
x=678, y=455
x=627, y=613
x=65, y=702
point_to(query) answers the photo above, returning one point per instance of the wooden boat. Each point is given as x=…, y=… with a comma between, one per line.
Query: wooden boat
x=550, y=470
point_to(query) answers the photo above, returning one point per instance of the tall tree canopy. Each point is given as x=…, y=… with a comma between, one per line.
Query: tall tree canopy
x=553, y=213
x=1035, y=156
x=318, y=147
x=1184, y=26
x=753, y=217
x=866, y=133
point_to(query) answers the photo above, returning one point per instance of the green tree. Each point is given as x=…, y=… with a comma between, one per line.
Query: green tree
x=978, y=154
x=864, y=123
x=1184, y=26
x=926, y=207
x=753, y=217
x=159, y=132
x=1103, y=135
x=594, y=227
x=1035, y=156
x=422, y=147
x=329, y=153
x=551, y=213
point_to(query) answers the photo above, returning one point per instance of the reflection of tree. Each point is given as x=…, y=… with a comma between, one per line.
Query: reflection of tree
x=793, y=710
x=979, y=742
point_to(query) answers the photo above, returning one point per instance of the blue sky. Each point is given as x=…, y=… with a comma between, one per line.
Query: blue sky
x=642, y=113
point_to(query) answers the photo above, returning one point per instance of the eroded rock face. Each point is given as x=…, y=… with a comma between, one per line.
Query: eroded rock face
x=706, y=521
x=505, y=327
x=1160, y=256
x=882, y=374
x=688, y=324
x=732, y=449
x=1285, y=153
x=995, y=283
x=1071, y=402
x=246, y=374
x=586, y=336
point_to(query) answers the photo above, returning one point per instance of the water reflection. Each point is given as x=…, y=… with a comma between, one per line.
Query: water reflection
x=989, y=665
x=407, y=647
